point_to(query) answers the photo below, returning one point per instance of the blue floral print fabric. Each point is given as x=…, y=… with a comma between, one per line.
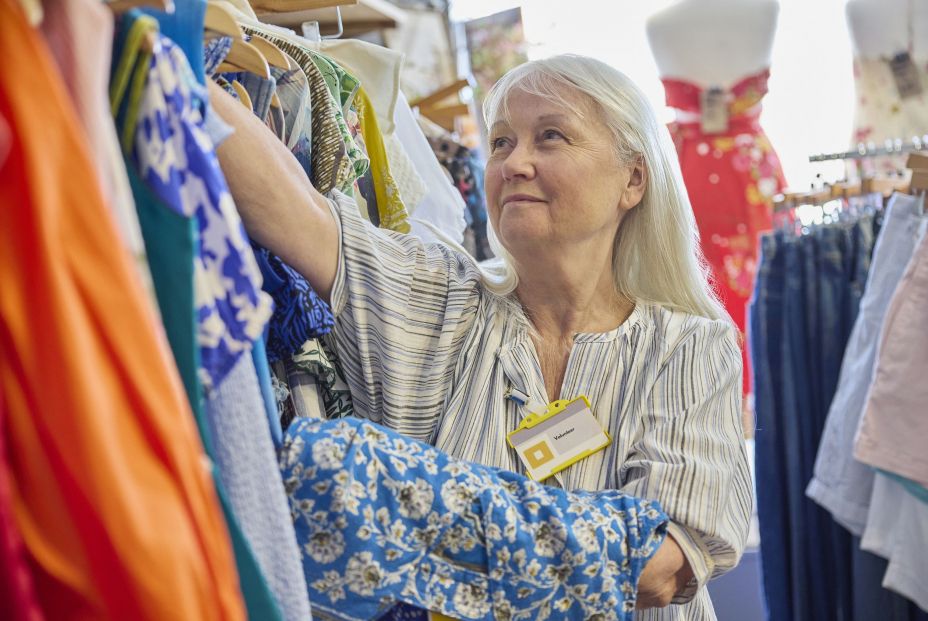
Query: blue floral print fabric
x=176, y=159
x=381, y=519
x=215, y=51
x=299, y=313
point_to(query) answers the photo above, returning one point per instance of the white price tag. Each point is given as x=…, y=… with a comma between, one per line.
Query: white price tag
x=713, y=104
x=905, y=75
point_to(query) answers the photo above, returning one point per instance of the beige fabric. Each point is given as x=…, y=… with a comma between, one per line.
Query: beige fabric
x=894, y=426
x=411, y=186
x=378, y=69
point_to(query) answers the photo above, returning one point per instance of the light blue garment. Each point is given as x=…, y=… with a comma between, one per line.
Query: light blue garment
x=184, y=26
x=841, y=484
x=259, y=355
x=247, y=462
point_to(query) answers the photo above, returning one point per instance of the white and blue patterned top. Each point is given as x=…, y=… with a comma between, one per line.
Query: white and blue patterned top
x=429, y=352
x=176, y=159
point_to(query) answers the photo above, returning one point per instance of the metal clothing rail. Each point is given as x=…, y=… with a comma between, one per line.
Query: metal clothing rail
x=889, y=147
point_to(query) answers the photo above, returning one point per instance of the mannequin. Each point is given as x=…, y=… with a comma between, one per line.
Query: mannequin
x=881, y=30
x=714, y=56
x=713, y=42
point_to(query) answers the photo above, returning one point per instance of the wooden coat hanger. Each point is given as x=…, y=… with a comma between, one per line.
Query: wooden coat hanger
x=918, y=164
x=443, y=115
x=243, y=97
x=437, y=96
x=274, y=55
x=245, y=57
x=884, y=185
x=218, y=19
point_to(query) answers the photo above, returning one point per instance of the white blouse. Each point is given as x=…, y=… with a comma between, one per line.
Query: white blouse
x=428, y=351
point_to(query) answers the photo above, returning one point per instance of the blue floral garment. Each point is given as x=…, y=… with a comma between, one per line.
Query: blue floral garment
x=299, y=313
x=215, y=51
x=176, y=159
x=381, y=518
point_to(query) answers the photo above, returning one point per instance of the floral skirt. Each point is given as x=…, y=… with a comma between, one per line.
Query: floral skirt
x=383, y=521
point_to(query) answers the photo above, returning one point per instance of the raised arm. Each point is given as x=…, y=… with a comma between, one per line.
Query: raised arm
x=281, y=209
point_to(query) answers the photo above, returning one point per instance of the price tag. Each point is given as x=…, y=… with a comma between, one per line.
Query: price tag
x=905, y=75
x=563, y=435
x=713, y=103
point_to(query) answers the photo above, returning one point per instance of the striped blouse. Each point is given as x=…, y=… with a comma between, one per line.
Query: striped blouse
x=428, y=351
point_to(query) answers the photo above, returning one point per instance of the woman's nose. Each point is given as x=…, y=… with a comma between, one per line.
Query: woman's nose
x=518, y=163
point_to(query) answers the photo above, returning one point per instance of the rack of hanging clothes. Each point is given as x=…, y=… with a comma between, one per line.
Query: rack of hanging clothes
x=465, y=168
x=179, y=331
x=826, y=278
x=163, y=377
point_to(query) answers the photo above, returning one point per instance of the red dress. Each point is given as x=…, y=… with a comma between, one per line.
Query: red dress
x=731, y=178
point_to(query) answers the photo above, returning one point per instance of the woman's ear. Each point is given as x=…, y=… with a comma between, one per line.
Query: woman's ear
x=636, y=185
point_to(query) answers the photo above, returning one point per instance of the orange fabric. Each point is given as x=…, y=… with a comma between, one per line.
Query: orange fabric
x=111, y=494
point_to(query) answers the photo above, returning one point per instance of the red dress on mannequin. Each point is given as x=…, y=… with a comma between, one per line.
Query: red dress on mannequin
x=731, y=178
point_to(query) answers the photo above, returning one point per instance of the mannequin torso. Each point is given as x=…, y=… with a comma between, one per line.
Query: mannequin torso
x=729, y=167
x=713, y=42
x=886, y=107
x=880, y=28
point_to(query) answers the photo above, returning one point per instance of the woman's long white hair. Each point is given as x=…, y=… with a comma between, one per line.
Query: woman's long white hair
x=656, y=255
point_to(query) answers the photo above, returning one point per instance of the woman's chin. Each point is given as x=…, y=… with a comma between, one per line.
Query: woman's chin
x=523, y=229
x=524, y=240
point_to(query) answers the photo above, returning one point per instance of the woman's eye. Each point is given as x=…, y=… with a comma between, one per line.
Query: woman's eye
x=498, y=143
x=552, y=134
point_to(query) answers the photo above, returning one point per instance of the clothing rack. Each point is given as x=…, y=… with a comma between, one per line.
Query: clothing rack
x=892, y=146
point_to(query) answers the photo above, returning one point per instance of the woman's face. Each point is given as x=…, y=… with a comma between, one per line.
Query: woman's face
x=553, y=177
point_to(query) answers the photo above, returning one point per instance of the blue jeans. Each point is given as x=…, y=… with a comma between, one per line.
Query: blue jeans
x=764, y=334
x=806, y=299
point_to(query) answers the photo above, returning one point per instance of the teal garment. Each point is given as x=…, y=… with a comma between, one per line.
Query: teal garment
x=259, y=354
x=170, y=241
x=917, y=490
x=171, y=244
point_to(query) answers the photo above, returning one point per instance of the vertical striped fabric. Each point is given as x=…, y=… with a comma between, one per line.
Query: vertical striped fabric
x=429, y=352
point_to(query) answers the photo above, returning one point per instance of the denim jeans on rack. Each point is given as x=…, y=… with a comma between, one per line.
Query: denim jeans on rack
x=797, y=420
x=764, y=334
x=832, y=292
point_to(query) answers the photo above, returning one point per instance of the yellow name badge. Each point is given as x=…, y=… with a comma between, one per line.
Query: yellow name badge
x=561, y=436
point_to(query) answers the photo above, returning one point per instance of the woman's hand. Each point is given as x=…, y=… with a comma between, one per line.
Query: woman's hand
x=665, y=575
x=280, y=208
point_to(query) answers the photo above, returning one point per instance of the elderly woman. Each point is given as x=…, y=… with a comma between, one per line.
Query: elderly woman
x=600, y=291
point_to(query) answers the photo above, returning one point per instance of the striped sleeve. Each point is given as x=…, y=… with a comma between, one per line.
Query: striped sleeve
x=691, y=456
x=403, y=309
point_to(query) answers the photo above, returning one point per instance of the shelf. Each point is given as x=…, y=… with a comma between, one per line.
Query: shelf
x=357, y=16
